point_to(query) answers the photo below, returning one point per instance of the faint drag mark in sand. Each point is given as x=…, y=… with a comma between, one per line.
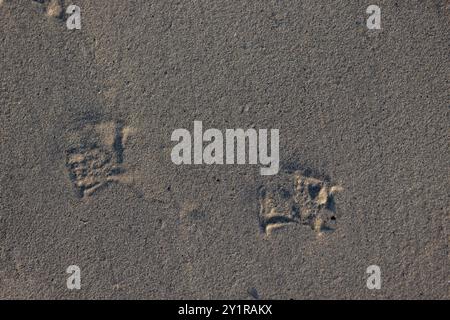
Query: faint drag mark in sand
x=195, y=232
x=192, y=212
x=97, y=157
x=298, y=198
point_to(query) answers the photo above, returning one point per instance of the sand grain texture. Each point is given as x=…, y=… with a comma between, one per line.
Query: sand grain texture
x=365, y=110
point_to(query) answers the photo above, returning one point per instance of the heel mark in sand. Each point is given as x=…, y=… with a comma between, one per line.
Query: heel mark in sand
x=298, y=198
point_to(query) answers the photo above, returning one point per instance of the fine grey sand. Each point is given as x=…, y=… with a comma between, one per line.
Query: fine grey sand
x=86, y=176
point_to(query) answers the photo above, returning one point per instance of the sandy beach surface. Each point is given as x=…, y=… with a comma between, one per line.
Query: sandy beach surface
x=86, y=176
